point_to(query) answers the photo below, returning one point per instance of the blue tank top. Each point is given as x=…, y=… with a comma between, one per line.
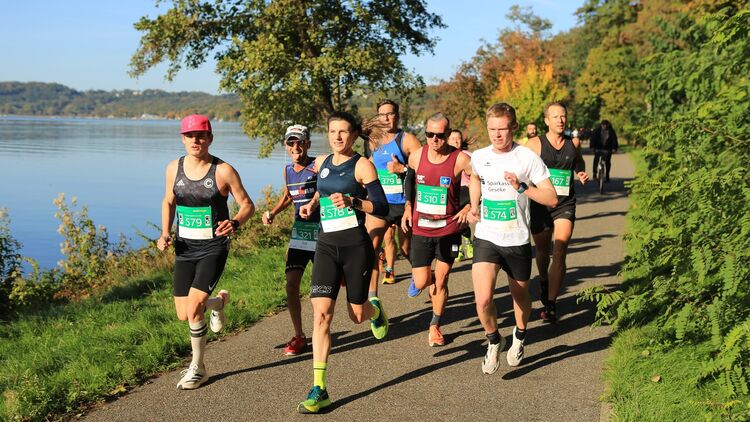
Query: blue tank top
x=302, y=186
x=340, y=178
x=381, y=157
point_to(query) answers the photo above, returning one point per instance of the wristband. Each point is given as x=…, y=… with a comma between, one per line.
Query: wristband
x=522, y=188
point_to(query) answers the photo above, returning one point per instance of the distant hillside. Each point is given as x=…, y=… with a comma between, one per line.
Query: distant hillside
x=49, y=99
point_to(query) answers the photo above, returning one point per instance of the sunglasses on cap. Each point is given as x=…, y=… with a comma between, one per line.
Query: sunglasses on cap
x=441, y=135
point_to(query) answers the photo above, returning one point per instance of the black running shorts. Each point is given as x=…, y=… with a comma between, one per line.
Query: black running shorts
x=514, y=260
x=353, y=263
x=395, y=212
x=543, y=218
x=202, y=273
x=297, y=259
x=425, y=249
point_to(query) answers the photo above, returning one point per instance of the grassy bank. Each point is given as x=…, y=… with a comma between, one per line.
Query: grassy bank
x=55, y=360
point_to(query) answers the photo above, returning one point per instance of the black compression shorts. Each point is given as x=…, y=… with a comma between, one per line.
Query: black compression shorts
x=353, y=263
x=425, y=249
x=543, y=218
x=202, y=273
x=297, y=259
x=514, y=260
x=395, y=212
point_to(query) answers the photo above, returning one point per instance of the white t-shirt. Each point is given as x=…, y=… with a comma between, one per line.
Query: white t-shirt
x=504, y=213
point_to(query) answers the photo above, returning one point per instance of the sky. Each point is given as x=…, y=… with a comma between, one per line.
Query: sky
x=87, y=44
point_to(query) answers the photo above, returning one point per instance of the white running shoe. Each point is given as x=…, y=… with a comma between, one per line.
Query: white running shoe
x=218, y=319
x=515, y=353
x=192, y=377
x=492, y=358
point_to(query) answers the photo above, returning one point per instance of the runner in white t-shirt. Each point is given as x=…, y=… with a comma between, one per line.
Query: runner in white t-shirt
x=502, y=176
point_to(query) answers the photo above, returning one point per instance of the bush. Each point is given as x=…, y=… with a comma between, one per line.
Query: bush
x=10, y=262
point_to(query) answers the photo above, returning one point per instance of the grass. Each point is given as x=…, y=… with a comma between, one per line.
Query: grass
x=55, y=360
x=636, y=394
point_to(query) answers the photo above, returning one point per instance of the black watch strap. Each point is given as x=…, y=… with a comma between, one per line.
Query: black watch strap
x=235, y=223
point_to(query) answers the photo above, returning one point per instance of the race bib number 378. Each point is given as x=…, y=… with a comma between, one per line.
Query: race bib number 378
x=334, y=219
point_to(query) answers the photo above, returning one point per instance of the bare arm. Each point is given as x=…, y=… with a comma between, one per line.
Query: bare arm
x=475, y=193
x=168, y=205
x=228, y=176
x=463, y=165
x=580, y=165
x=281, y=205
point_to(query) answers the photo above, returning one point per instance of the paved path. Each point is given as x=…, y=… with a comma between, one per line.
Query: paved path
x=401, y=377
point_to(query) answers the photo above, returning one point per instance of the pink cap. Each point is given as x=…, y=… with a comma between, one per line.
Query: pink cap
x=195, y=123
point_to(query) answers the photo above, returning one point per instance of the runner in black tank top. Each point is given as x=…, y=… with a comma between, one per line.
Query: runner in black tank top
x=563, y=158
x=300, y=181
x=344, y=251
x=197, y=187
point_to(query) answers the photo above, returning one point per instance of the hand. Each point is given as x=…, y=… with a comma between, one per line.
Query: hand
x=267, y=218
x=394, y=166
x=340, y=200
x=225, y=228
x=462, y=216
x=512, y=179
x=163, y=242
x=306, y=210
x=406, y=219
x=473, y=216
x=583, y=177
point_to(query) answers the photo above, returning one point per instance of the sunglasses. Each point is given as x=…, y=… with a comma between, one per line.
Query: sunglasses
x=441, y=135
x=293, y=142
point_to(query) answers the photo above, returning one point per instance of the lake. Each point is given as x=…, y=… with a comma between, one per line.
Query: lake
x=114, y=167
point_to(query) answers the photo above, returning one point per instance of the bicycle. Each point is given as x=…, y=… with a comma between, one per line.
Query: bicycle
x=600, y=175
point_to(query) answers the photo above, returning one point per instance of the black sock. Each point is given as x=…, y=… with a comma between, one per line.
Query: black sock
x=493, y=338
x=551, y=306
x=520, y=334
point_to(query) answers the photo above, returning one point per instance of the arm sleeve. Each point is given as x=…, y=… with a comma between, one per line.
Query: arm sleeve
x=409, y=186
x=463, y=196
x=376, y=195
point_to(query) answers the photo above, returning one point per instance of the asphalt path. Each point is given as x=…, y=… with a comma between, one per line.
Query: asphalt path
x=401, y=377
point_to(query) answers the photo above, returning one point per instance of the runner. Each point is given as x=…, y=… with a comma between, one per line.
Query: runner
x=437, y=218
x=530, y=133
x=299, y=180
x=197, y=188
x=502, y=177
x=390, y=157
x=456, y=140
x=563, y=158
x=344, y=249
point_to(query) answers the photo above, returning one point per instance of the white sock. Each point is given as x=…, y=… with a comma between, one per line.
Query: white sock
x=215, y=303
x=198, y=338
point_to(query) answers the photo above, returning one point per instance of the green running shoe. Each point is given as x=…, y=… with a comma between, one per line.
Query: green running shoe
x=469, y=251
x=317, y=399
x=379, y=325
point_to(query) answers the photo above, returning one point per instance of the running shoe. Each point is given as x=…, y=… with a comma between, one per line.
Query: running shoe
x=469, y=250
x=388, y=277
x=492, y=358
x=435, y=337
x=515, y=353
x=548, y=315
x=460, y=255
x=297, y=345
x=379, y=325
x=413, y=290
x=218, y=319
x=192, y=377
x=317, y=399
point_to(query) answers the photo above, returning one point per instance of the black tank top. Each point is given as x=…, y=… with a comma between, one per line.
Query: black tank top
x=340, y=178
x=562, y=159
x=200, y=207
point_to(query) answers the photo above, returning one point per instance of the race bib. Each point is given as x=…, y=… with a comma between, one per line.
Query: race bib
x=195, y=222
x=561, y=181
x=304, y=236
x=432, y=199
x=500, y=215
x=390, y=181
x=432, y=224
x=334, y=219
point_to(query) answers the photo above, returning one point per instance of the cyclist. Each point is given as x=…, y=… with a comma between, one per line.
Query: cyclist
x=603, y=142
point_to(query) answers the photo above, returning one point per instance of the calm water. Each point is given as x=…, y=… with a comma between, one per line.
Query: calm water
x=115, y=167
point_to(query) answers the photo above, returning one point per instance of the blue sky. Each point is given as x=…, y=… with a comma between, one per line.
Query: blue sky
x=87, y=44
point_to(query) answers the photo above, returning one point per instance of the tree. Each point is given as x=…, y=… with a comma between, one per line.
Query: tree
x=291, y=60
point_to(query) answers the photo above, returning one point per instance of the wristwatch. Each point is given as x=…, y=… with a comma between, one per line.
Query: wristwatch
x=357, y=203
x=522, y=188
x=235, y=224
